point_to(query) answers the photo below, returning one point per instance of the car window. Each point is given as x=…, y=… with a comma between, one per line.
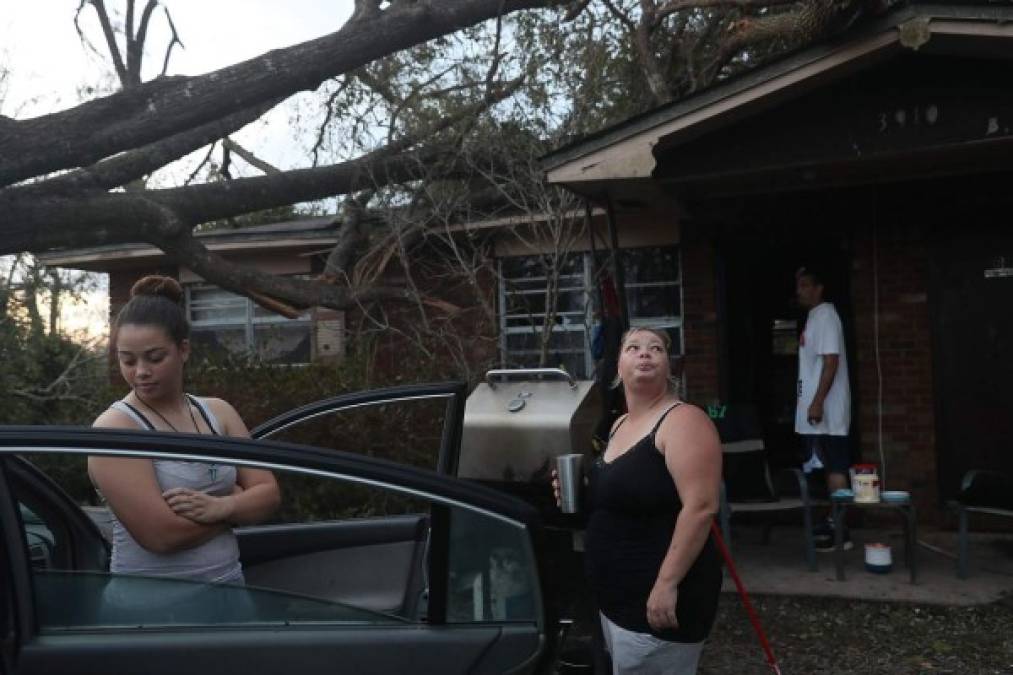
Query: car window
x=339, y=552
x=48, y=535
x=408, y=430
x=492, y=571
x=38, y=537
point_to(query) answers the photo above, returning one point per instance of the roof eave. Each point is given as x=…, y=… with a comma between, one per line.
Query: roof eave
x=626, y=151
x=103, y=258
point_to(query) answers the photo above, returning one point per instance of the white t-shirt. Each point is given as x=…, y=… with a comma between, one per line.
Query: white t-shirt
x=823, y=335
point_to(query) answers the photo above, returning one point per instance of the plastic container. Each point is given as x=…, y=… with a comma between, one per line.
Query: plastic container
x=895, y=496
x=865, y=483
x=878, y=558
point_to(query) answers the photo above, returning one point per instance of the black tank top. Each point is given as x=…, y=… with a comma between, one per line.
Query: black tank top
x=633, y=506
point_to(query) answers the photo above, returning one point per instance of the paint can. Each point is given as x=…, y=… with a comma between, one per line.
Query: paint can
x=878, y=558
x=865, y=483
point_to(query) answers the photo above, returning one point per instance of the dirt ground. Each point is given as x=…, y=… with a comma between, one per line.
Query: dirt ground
x=818, y=635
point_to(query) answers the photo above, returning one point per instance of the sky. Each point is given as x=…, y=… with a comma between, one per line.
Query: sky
x=49, y=66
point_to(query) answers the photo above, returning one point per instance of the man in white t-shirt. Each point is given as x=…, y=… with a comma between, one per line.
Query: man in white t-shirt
x=823, y=411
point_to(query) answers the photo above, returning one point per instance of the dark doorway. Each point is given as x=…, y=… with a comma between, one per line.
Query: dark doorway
x=761, y=320
x=972, y=322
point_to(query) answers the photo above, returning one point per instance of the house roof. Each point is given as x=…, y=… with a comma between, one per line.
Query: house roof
x=624, y=154
x=293, y=236
x=296, y=237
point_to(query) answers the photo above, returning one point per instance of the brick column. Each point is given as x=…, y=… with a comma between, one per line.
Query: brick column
x=905, y=360
x=699, y=315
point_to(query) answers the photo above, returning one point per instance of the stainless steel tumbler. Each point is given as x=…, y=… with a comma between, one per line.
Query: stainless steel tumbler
x=570, y=481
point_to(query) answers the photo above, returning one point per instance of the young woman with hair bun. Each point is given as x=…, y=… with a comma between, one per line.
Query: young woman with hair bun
x=173, y=518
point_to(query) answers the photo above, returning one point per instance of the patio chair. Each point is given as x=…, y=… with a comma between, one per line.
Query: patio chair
x=980, y=492
x=749, y=486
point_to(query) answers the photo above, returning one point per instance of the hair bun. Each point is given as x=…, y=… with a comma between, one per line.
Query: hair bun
x=156, y=285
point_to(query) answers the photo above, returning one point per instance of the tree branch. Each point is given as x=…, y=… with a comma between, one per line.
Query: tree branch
x=172, y=43
x=164, y=107
x=249, y=157
x=575, y=9
x=37, y=224
x=204, y=162
x=128, y=26
x=299, y=293
x=623, y=17
x=387, y=165
x=110, y=36
x=129, y=166
x=673, y=6
x=135, y=46
x=365, y=10
x=350, y=236
x=656, y=81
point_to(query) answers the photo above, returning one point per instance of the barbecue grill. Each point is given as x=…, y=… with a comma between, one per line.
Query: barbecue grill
x=518, y=421
x=515, y=425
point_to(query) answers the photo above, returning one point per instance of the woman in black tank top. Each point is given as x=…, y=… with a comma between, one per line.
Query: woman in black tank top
x=652, y=496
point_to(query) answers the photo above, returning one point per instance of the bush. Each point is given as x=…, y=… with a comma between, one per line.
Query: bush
x=260, y=391
x=408, y=434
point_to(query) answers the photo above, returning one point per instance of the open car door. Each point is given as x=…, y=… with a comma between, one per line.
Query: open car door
x=476, y=607
x=414, y=424
x=378, y=562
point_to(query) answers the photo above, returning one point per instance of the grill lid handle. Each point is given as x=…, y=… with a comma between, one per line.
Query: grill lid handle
x=528, y=374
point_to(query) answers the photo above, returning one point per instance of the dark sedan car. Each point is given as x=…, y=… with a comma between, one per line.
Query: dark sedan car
x=443, y=578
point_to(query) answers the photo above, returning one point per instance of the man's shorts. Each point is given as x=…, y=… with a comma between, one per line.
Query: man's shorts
x=833, y=452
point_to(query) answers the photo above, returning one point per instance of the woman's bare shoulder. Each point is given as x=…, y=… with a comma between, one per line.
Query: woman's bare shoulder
x=114, y=419
x=227, y=415
x=219, y=406
x=692, y=412
x=689, y=420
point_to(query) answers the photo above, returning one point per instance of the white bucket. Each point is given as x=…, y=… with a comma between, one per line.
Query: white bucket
x=866, y=486
x=878, y=558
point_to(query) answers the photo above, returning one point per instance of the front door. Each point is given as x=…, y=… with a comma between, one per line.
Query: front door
x=973, y=332
x=761, y=321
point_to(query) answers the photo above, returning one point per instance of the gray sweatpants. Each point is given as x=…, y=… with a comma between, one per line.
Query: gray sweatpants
x=643, y=654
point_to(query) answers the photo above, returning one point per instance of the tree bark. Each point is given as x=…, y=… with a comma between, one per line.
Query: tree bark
x=170, y=105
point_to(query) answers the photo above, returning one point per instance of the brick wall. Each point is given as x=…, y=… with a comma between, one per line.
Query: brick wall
x=905, y=359
x=456, y=339
x=699, y=315
x=905, y=351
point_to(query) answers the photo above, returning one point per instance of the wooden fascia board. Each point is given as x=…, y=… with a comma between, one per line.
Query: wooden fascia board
x=971, y=29
x=633, y=157
x=152, y=253
x=518, y=220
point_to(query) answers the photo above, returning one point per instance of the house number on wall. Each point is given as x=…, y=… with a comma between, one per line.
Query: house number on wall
x=905, y=117
x=1000, y=268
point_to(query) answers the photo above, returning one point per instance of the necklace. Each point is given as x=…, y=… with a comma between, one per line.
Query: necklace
x=163, y=418
x=212, y=468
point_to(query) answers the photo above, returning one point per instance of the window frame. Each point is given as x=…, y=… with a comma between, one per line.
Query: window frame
x=587, y=262
x=581, y=327
x=249, y=323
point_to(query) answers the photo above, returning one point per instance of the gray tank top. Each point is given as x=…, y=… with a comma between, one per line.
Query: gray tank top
x=216, y=560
